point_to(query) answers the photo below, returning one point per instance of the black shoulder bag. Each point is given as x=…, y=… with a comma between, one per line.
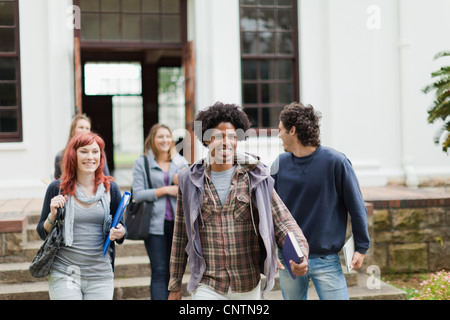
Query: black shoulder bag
x=137, y=215
x=43, y=261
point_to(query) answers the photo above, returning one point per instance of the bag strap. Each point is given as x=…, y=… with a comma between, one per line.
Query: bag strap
x=61, y=212
x=147, y=170
x=147, y=173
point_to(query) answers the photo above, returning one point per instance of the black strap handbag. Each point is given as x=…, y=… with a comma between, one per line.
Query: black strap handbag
x=43, y=261
x=137, y=215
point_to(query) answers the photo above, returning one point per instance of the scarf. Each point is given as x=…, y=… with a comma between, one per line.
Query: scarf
x=82, y=197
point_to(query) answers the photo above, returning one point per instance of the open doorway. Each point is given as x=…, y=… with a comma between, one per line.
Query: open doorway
x=113, y=98
x=147, y=39
x=113, y=101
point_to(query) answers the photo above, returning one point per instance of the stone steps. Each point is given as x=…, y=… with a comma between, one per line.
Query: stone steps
x=138, y=288
x=132, y=274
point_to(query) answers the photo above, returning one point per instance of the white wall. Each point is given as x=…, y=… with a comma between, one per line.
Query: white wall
x=46, y=53
x=217, y=52
x=362, y=64
x=215, y=31
x=424, y=26
x=367, y=81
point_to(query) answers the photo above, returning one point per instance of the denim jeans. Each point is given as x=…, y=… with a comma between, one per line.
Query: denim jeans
x=158, y=249
x=65, y=287
x=326, y=273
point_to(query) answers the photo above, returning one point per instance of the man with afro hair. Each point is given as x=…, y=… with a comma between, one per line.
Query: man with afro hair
x=229, y=218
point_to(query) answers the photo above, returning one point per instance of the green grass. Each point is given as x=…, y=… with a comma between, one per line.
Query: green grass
x=125, y=160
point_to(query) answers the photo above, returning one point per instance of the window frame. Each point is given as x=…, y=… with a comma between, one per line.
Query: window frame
x=141, y=43
x=258, y=57
x=16, y=136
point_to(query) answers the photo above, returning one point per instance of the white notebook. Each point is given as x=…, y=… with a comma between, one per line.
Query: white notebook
x=349, y=249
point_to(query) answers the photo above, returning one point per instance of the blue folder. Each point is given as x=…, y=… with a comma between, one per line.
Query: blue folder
x=118, y=216
x=291, y=251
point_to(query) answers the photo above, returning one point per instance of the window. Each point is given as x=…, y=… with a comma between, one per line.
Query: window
x=269, y=59
x=10, y=110
x=132, y=21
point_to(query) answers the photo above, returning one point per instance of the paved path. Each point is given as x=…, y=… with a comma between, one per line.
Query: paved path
x=10, y=207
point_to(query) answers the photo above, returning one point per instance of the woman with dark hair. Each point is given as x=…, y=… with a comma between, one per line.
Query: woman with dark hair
x=80, y=271
x=164, y=165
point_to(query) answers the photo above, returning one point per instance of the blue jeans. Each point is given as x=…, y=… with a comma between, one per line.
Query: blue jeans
x=158, y=249
x=326, y=273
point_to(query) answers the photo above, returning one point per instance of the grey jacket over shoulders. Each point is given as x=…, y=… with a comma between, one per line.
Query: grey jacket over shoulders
x=142, y=192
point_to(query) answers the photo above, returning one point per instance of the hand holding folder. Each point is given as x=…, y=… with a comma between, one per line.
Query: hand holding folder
x=117, y=217
x=291, y=251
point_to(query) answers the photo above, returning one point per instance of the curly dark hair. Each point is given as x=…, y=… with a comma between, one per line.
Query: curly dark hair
x=305, y=120
x=212, y=116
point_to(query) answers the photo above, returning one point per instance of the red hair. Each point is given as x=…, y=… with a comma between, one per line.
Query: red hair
x=70, y=163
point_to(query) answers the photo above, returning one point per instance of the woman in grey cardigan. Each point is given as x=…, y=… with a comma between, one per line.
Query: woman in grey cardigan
x=164, y=165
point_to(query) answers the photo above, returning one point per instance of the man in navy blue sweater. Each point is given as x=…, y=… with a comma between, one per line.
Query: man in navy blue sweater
x=320, y=188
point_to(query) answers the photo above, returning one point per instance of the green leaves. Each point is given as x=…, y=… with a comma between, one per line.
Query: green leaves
x=440, y=110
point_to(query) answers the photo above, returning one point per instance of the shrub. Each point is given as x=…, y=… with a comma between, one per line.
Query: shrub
x=437, y=287
x=440, y=110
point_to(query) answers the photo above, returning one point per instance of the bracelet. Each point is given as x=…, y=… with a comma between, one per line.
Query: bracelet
x=48, y=220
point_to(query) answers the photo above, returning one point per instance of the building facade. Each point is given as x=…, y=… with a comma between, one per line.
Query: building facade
x=361, y=63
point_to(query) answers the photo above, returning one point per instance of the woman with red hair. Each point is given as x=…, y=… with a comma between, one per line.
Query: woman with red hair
x=90, y=199
x=80, y=123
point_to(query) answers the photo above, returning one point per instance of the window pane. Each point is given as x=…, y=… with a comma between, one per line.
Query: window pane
x=130, y=5
x=267, y=70
x=89, y=5
x=249, y=71
x=171, y=6
x=267, y=43
x=249, y=18
x=151, y=28
x=249, y=43
x=285, y=2
x=268, y=93
x=250, y=93
x=8, y=120
x=130, y=25
x=171, y=97
x=150, y=5
x=171, y=29
x=90, y=28
x=8, y=41
x=110, y=5
x=7, y=13
x=8, y=96
x=285, y=70
x=267, y=2
x=248, y=2
x=110, y=26
x=285, y=93
x=284, y=20
x=285, y=44
x=8, y=68
x=266, y=20
x=112, y=78
x=270, y=117
x=252, y=114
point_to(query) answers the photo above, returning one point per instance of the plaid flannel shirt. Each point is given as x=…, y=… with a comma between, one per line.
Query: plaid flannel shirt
x=230, y=245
